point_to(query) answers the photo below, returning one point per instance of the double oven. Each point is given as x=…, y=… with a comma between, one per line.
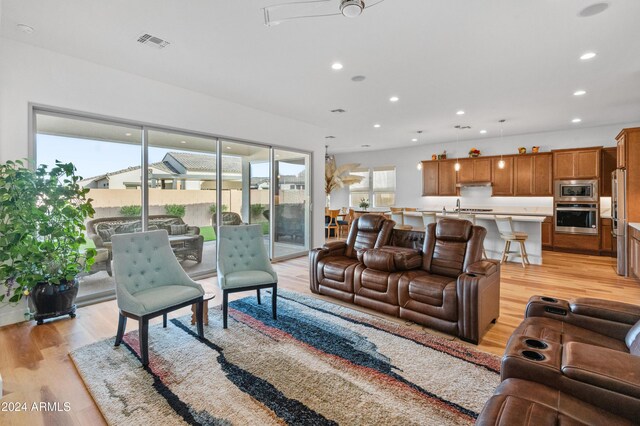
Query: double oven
x=576, y=206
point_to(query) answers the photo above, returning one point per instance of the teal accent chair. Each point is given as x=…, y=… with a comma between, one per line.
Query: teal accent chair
x=150, y=282
x=243, y=265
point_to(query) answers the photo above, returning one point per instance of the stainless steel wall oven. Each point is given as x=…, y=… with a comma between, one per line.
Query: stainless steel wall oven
x=577, y=218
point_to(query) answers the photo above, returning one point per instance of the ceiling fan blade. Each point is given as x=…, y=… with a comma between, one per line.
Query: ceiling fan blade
x=371, y=3
x=273, y=15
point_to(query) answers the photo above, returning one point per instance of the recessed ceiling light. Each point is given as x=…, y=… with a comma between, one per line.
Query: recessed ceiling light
x=358, y=78
x=414, y=140
x=592, y=10
x=579, y=92
x=376, y=126
x=587, y=56
x=183, y=141
x=576, y=120
x=482, y=132
x=127, y=134
x=461, y=112
x=394, y=99
x=25, y=28
x=366, y=145
x=337, y=66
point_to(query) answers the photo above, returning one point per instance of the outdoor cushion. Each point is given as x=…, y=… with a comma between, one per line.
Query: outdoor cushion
x=158, y=298
x=247, y=278
x=106, y=234
x=179, y=229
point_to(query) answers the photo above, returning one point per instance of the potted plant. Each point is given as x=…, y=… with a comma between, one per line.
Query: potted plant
x=42, y=227
x=364, y=204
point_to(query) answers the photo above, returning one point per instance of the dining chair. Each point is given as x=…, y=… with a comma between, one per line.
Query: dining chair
x=243, y=265
x=472, y=218
x=346, y=221
x=395, y=209
x=333, y=223
x=507, y=233
x=150, y=282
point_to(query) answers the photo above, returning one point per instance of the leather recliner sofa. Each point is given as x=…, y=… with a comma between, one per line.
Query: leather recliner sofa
x=577, y=362
x=446, y=285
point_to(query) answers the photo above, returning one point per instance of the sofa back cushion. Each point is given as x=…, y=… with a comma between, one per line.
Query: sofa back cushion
x=451, y=245
x=368, y=231
x=633, y=339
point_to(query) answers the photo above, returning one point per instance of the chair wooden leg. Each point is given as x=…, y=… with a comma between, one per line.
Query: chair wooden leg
x=164, y=320
x=274, y=298
x=200, y=318
x=122, y=325
x=505, y=251
x=522, y=254
x=225, y=308
x=259, y=301
x=526, y=255
x=143, y=331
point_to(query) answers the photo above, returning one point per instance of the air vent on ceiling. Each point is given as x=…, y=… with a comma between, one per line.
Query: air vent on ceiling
x=338, y=111
x=153, y=41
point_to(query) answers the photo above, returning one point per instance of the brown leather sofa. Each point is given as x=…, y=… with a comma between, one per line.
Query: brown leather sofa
x=446, y=285
x=586, y=352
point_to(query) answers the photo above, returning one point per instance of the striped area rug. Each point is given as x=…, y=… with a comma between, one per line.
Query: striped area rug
x=318, y=364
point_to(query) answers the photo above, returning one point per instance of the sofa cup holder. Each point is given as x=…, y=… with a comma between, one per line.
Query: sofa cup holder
x=533, y=355
x=535, y=344
x=549, y=299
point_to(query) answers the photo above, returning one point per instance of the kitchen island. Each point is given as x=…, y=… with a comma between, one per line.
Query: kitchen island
x=493, y=244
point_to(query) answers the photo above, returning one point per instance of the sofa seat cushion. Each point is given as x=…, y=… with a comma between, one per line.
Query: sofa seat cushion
x=335, y=267
x=522, y=403
x=157, y=298
x=428, y=288
x=551, y=330
x=375, y=280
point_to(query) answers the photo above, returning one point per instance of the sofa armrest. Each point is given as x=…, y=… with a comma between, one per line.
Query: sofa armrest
x=334, y=248
x=478, y=302
x=193, y=230
x=602, y=367
x=613, y=319
x=483, y=267
x=97, y=240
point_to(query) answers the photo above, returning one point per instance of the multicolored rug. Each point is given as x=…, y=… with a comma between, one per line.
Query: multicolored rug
x=318, y=364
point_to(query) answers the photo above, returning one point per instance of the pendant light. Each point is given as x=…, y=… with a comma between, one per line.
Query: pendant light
x=456, y=166
x=501, y=163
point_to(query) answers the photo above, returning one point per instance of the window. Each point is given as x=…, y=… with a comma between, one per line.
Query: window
x=378, y=185
x=384, y=186
x=359, y=191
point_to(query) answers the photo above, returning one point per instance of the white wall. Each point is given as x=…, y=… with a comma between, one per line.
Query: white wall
x=30, y=74
x=409, y=179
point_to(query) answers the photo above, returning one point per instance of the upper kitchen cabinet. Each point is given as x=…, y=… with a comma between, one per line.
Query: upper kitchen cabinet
x=607, y=166
x=621, y=151
x=533, y=175
x=475, y=170
x=629, y=149
x=438, y=178
x=502, y=181
x=577, y=163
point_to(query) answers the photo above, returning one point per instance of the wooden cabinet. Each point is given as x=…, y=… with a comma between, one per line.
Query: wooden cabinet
x=608, y=244
x=502, y=179
x=621, y=151
x=576, y=163
x=475, y=170
x=438, y=178
x=634, y=252
x=629, y=144
x=607, y=166
x=533, y=175
x=447, y=178
x=547, y=233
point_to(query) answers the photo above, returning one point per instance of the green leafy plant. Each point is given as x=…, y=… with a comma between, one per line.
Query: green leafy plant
x=131, y=210
x=42, y=214
x=213, y=209
x=256, y=210
x=364, y=203
x=175, y=209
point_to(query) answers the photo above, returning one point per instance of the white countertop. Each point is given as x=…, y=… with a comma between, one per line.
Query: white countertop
x=488, y=216
x=635, y=225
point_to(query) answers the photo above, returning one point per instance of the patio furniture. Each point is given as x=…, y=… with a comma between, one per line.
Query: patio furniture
x=243, y=265
x=289, y=221
x=185, y=240
x=150, y=282
x=228, y=218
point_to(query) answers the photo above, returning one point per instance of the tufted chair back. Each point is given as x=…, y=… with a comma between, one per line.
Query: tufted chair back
x=451, y=245
x=143, y=260
x=241, y=248
x=367, y=232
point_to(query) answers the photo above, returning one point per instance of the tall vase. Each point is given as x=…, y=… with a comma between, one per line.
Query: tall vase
x=328, y=205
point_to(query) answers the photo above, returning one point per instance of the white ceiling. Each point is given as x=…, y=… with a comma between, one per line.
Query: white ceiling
x=512, y=59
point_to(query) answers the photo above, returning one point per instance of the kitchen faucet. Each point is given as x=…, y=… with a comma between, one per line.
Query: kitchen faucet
x=458, y=205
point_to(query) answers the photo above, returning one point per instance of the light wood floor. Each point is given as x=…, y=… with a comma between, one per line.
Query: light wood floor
x=35, y=365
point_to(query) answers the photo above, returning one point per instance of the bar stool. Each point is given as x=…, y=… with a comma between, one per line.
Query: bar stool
x=505, y=227
x=398, y=217
x=428, y=218
x=333, y=223
x=413, y=219
x=472, y=218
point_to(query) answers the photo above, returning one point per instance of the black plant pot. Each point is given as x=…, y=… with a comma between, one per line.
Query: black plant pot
x=54, y=300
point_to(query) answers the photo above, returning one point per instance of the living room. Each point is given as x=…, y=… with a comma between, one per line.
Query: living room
x=238, y=106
